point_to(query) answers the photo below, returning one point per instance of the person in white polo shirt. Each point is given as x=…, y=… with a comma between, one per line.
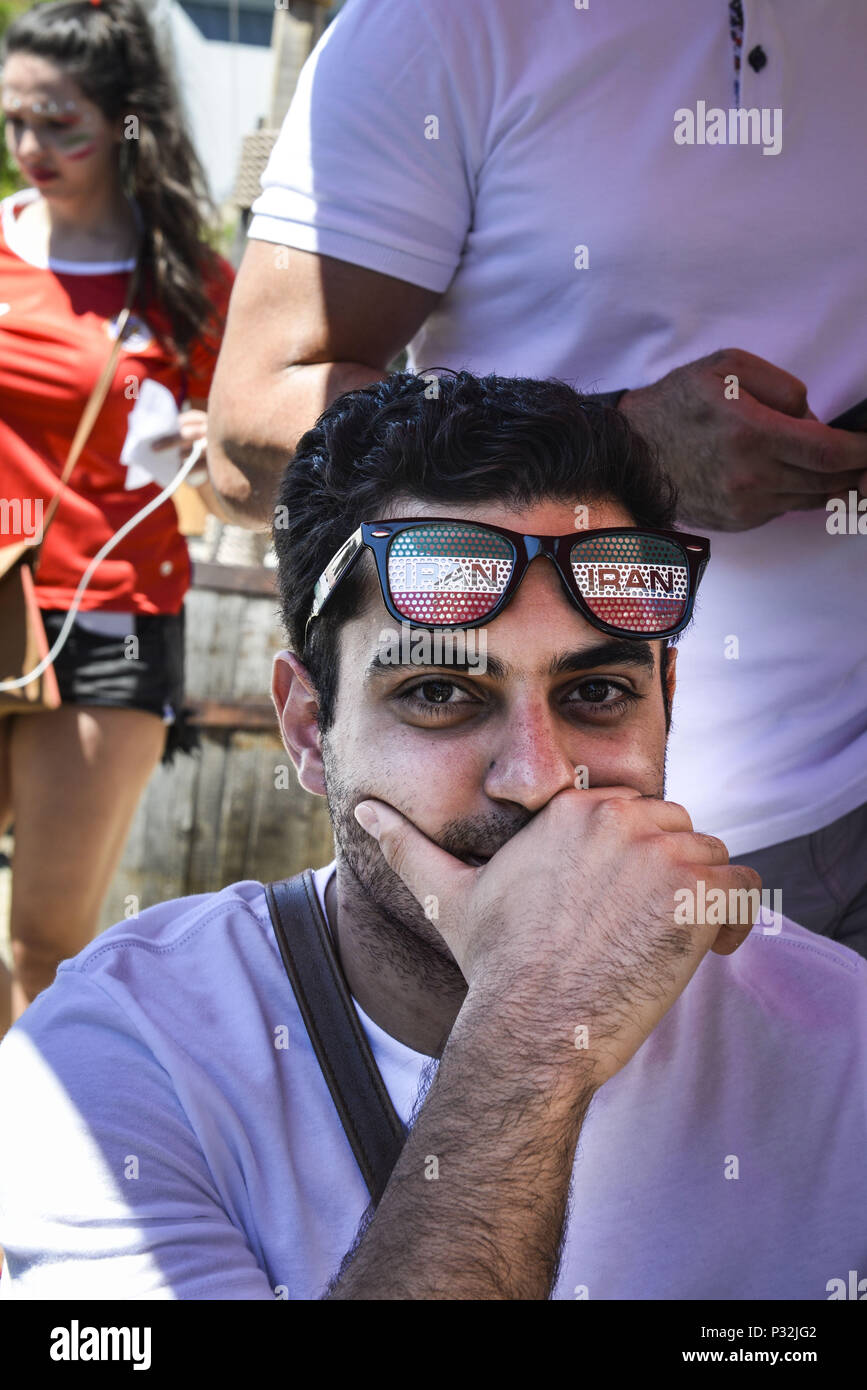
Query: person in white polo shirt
x=611, y=1090
x=547, y=189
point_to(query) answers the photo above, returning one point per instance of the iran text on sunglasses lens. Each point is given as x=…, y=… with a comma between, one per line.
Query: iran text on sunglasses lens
x=442, y=572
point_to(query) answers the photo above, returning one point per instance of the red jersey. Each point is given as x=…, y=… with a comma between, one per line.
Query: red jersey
x=54, y=344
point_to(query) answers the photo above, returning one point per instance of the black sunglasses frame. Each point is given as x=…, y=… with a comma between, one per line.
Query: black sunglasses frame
x=377, y=537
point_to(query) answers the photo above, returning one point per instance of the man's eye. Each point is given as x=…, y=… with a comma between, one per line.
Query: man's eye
x=597, y=693
x=435, y=695
x=438, y=692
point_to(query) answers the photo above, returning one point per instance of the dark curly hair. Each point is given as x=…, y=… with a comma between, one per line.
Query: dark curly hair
x=110, y=51
x=468, y=439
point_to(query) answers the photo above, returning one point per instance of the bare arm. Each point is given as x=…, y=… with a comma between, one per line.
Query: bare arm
x=503, y=1132
x=736, y=434
x=301, y=329
x=503, y=1117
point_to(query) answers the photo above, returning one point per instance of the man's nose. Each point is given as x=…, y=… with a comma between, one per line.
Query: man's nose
x=530, y=761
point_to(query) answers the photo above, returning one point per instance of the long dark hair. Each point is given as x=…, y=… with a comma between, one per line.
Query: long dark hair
x=110, y=50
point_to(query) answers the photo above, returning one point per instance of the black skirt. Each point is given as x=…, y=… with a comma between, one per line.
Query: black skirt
x=147, y=673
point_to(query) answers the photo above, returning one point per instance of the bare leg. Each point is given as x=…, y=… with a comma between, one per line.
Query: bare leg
x=77, y=774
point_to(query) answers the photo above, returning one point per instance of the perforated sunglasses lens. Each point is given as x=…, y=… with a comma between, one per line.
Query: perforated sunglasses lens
x=637, y=582
x=448, y=573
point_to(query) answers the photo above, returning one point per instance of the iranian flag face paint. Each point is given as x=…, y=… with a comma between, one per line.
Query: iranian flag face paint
x=51, y=125
x=76, y=142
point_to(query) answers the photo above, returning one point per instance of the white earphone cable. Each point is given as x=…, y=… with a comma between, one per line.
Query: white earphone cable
x=118, y=536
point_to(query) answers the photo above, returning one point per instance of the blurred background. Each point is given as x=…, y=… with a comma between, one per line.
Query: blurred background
x=234, y=809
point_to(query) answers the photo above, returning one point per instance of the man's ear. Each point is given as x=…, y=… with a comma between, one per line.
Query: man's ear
x=297, y=706
x=670, y=677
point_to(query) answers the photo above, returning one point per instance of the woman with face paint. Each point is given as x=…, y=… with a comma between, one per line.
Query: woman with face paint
x=94, y=126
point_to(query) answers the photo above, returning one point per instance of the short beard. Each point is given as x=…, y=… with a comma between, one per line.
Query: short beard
x=388, y=921
x=387, y=918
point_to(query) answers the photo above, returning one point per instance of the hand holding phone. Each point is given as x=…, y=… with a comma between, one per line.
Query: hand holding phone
x=853, y=419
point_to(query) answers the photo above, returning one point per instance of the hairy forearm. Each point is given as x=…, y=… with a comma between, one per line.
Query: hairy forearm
x=253, y=433
x=502, y=1125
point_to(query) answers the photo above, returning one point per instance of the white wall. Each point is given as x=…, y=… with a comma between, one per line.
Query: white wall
x=225, y=88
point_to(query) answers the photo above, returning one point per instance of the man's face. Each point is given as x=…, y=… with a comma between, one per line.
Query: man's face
x=470, y=755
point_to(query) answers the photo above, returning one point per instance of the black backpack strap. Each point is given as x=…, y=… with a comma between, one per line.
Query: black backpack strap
x=372, y=1125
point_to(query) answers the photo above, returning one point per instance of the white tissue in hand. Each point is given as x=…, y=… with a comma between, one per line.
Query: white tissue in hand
x=154, y=414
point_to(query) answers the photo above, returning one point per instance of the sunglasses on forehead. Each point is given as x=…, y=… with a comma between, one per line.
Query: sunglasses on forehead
x=435, y=572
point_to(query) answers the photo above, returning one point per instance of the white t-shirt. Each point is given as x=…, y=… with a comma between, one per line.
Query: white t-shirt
x=474, y=148
x=167, y=1132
